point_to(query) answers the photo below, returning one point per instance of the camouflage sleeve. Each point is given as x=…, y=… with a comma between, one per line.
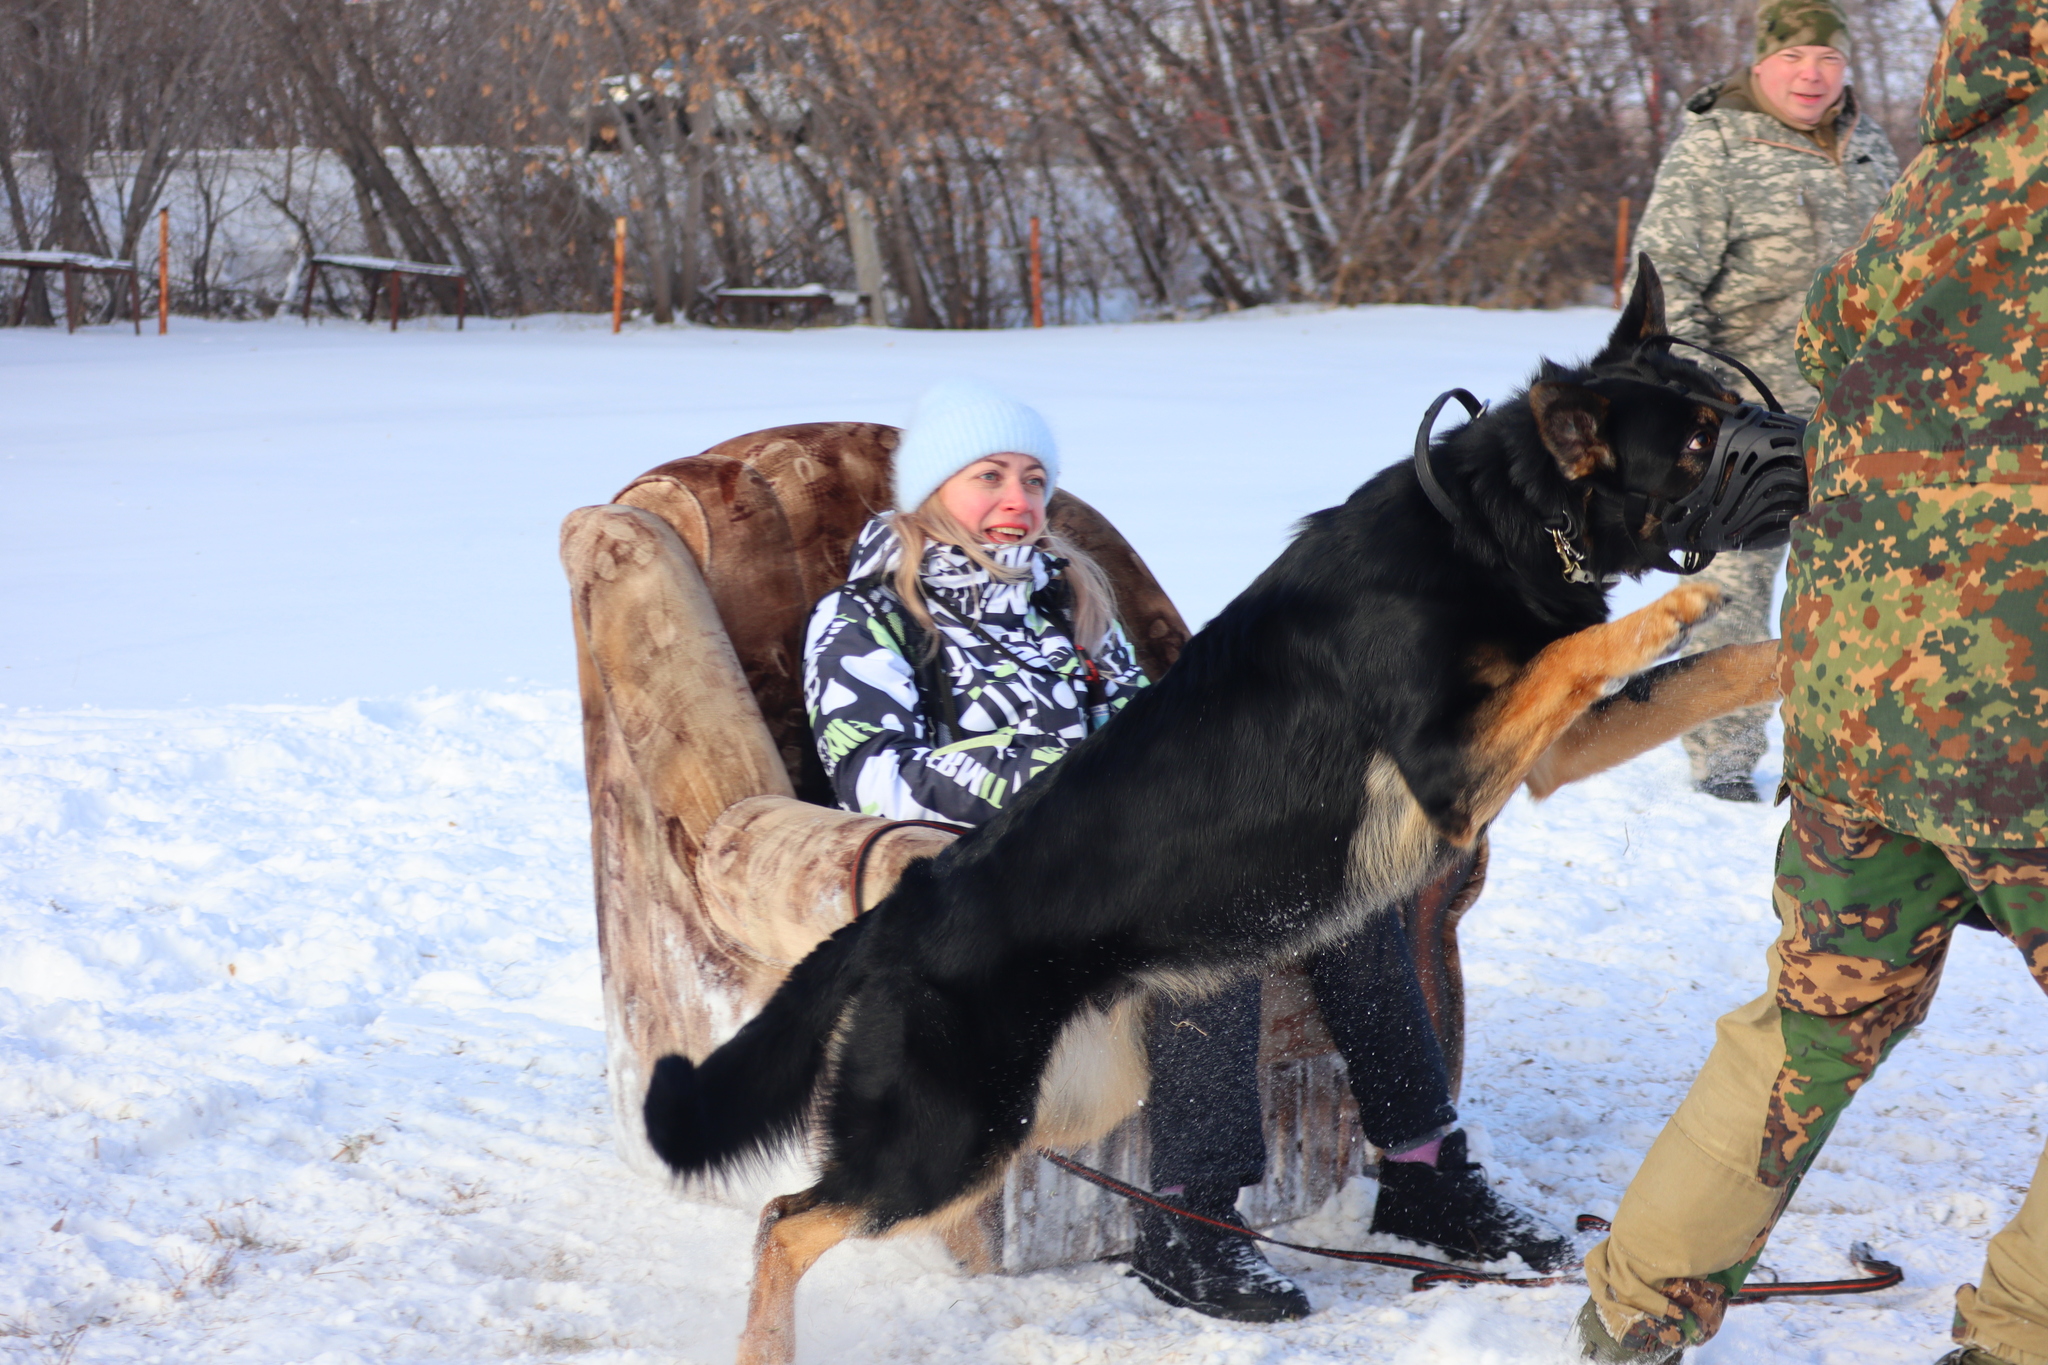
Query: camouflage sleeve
x=1824, y=341
x=1827, y=335
x=1685, y=227
x=873, y=737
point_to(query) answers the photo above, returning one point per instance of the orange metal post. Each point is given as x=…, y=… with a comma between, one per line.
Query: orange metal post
x=1037, y=278
x=618, y=272
x=1620, y=250
x=163, y=271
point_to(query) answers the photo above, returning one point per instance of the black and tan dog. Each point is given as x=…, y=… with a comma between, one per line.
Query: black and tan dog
x=1366, y=707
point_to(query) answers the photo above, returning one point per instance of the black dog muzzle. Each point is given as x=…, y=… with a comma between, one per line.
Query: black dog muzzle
x=1755, y=484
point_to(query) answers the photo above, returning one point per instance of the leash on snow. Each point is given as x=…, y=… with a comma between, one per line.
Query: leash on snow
x=1430, y=1273
x=1877, y=1274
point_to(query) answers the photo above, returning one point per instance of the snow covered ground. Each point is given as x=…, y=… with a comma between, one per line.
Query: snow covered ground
x=268, y=511
x=300, y=1053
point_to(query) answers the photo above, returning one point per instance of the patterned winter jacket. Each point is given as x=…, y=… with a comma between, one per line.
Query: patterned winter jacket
x=1020, y=702
x=1915, y=622
x=1746, y=210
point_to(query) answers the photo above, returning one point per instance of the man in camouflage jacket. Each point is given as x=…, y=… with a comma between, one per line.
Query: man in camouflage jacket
x=1748, y=207
x=1916, y=752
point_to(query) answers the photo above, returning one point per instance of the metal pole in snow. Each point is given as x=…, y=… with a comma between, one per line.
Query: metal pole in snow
x=163, y=271
x=1620, y=250
x=618, y=273
x=1037, y=277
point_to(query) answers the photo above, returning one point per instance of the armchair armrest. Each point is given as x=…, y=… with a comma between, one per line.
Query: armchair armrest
x=777, y=875
x=666, y=672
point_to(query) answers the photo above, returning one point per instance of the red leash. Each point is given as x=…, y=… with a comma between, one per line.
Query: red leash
x=1430, y=1273
x=1876, y=1275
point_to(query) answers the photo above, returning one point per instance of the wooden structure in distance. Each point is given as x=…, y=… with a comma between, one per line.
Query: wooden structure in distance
x=811, y=302
x=72, y=263
x=392, y=272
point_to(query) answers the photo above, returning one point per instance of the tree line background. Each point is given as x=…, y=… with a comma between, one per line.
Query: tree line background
x=1181, y=154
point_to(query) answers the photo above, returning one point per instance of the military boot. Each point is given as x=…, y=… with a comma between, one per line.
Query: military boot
x=1597, y=1344
x=1971, y=1355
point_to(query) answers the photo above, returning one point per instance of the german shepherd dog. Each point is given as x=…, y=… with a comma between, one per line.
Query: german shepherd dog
x=1318, y=752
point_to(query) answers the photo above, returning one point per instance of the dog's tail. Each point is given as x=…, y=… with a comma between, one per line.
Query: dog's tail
x=752, y=1094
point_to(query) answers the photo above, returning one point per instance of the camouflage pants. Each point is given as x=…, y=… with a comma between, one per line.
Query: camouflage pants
x=1866, y=917
x=1732, y=745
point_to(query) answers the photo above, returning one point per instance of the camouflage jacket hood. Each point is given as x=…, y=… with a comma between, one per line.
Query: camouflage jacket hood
x=1982, y=74
x=1914, y=630
x=1745, y=212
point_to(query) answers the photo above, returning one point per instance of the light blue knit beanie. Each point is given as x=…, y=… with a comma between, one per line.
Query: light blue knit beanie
x=956, y=423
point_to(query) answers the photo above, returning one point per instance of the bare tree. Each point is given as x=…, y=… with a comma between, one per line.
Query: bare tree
x=1183, y=153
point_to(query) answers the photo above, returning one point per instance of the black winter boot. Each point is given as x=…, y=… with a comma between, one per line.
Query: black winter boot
x=1451, y=1207
x=1970, y=1355
x=1207, y=1269
x=1729, y=787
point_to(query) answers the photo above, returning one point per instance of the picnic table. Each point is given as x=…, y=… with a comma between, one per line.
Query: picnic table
x=72, y=263
x=812, y=300
x=392, y=270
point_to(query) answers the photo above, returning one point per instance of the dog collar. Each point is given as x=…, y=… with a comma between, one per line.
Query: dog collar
x=1564, y=532
x=1573, y=559
x=1435, y=491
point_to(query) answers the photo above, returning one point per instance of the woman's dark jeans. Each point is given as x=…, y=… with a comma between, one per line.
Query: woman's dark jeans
x=1204, y=1107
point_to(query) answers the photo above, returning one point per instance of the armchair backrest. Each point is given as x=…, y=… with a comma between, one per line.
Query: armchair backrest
x=771, y=517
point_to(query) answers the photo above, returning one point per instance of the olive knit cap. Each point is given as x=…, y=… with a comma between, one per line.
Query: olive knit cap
x=1800, y=23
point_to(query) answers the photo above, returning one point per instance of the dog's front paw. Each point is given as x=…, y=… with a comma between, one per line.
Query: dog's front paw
x=1679, y=611
x=1693, y=603
x=1649, y=633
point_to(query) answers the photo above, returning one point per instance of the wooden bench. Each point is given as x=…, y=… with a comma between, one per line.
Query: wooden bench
x=393, y=272
x=811, y=301
x=72, y=263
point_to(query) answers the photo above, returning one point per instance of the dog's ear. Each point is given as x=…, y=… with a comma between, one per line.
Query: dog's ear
x=1569, y=418
x=1644, y=316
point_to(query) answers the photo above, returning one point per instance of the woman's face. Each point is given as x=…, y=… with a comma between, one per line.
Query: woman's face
x=1001, y=498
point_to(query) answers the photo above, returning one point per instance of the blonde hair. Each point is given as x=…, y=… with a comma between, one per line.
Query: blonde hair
x=1094, y=602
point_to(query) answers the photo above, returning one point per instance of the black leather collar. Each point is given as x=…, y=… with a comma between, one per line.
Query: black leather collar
x=1564, y=529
